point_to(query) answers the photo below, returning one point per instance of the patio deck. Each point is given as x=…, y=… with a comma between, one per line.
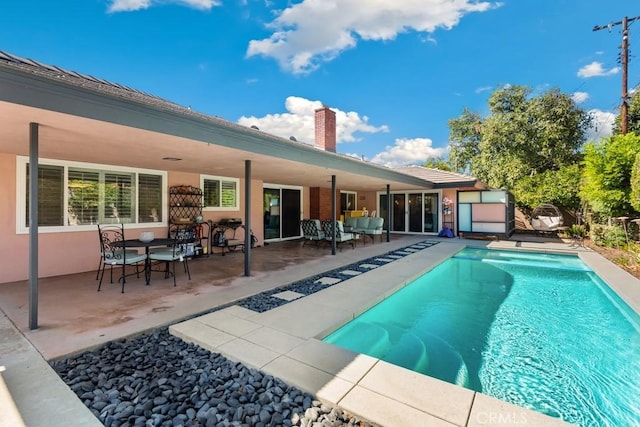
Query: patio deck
x=74, y=317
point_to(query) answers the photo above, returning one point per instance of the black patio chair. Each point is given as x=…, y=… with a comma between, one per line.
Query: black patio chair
x=114, y=254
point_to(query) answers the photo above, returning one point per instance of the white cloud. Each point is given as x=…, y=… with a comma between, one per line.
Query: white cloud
x=131, y=5
x=299, y=122
x=595, y=70
x=315, y=31
x=579, y=97
x=483, y=89
x=602, y=126
x=405, y=152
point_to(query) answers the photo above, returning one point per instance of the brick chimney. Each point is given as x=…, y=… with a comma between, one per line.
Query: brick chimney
x=325, y=120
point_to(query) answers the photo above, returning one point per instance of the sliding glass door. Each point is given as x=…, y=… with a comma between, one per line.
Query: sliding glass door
x=412, y=212
x=282, y=207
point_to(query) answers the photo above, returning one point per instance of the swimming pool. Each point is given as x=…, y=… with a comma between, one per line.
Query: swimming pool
x=538, y=330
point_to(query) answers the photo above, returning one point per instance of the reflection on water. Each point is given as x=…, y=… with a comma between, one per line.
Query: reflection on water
x=538, y=330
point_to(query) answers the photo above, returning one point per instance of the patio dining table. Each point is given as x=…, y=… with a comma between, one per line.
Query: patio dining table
x=137, y=243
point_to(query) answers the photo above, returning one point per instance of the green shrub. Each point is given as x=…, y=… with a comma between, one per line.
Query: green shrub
x=577, y=231
x=608, y=235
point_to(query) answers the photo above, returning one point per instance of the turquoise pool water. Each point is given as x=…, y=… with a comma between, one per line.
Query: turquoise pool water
x=538, y=330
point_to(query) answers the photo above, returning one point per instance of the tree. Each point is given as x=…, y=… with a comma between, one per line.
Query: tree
x=521, y=137
x=560, y=188
x=608, y=166
x=465, y=138
x=438, y=163
x=635, y=184
x=633, y=116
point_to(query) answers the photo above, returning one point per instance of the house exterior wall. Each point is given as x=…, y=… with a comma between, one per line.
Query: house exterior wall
x=320, y=203
x=70, y=252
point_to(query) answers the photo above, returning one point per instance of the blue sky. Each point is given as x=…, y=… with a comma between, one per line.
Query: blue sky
x=395, y=71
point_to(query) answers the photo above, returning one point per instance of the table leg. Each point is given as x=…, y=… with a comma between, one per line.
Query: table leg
x=147, y=267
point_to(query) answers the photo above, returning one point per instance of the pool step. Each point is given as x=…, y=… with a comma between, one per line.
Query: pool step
x=406, y=350
x=445, y=363
x=557, y=262
x=363, y=337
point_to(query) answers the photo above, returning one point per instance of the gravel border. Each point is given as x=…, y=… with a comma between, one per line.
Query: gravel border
x=156, y=379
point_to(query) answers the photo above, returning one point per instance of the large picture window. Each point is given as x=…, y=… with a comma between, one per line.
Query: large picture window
x=220, y=193
x=73, y=195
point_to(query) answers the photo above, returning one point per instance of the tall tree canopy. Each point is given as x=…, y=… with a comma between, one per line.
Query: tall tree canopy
x=522, y=136
x=633, y=116
x=608, y=166
x=438, y=163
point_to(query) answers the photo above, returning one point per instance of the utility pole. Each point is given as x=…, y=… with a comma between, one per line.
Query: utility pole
x=624, y=60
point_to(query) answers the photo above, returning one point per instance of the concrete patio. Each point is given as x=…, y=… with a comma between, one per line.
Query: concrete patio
x=74, y=317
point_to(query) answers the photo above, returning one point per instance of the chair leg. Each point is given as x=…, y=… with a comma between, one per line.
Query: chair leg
x=124, y=277
x=174, y=272
x=186, y=268
x=101, y=276
x=100, y=266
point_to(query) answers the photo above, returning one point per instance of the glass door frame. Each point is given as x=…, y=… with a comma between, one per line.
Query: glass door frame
x=413, y=218
x=280, y=211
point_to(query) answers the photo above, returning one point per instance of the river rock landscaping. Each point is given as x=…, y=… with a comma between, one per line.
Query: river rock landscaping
x=159, y=380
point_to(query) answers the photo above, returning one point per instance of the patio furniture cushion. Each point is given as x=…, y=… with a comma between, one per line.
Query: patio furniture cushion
x=177, y=253
x=341, y=236
x=546, y=223
x=375, y=228
x=350, y=223
x=311, y=230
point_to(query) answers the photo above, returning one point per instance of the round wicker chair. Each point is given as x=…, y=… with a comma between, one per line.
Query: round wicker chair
x=546, y=217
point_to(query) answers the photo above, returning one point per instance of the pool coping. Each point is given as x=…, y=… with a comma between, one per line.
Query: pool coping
x=286, y=342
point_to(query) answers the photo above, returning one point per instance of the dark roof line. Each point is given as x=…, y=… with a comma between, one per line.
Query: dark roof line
x=62, y=72
x=104, y=86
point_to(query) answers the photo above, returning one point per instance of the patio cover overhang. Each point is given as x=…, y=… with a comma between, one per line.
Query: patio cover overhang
x=47, y=112
x=80, y=120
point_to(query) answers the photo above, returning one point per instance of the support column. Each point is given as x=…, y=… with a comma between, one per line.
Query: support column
x=333, y=214
x=33, y=225
x=388, y=213
x=247, y=217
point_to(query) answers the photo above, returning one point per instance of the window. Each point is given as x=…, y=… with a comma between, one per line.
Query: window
x=348, y=201
x=220, y=193
x=72, y=195
x=51, y=200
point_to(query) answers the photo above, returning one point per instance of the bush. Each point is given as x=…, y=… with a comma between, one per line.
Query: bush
x=577, y=231
x=608, y=235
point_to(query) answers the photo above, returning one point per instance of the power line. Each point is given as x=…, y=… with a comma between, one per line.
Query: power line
x=624, y=48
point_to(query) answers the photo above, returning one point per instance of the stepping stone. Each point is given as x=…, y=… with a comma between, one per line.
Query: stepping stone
x=369, y=266
x=350, y=272
x=395, y=256
x=288, y=295
x=403, y=253
x=410, y=250
x=328, y=280
x=384, y=259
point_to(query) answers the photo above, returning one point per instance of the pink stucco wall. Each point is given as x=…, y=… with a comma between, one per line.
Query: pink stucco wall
x=74, y=252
